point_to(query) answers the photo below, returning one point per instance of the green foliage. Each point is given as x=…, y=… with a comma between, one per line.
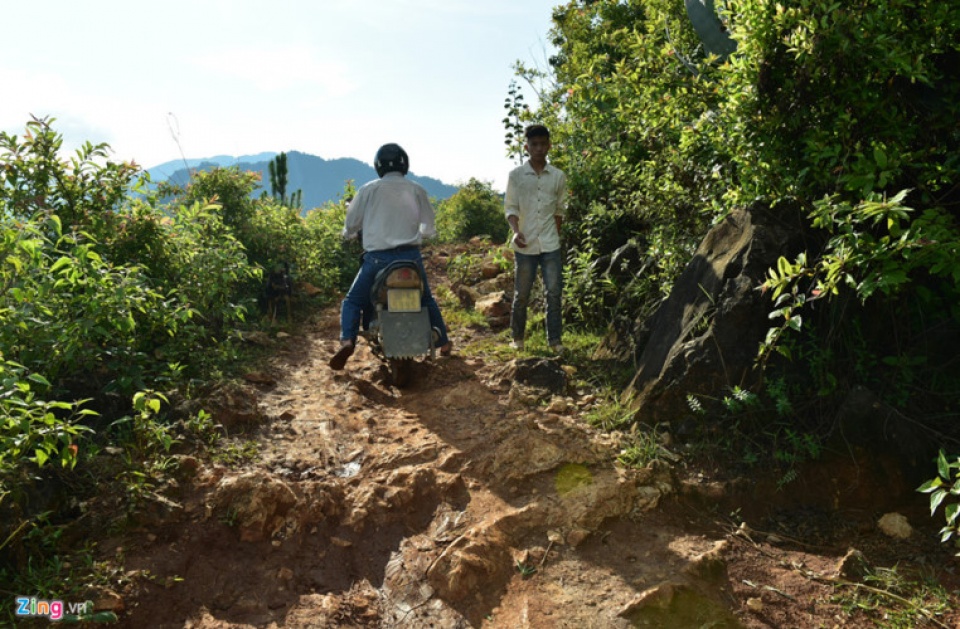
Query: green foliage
x=611, y=415
x=602, y=289
x=633, y=129
x=133, y=287
x=833, y=108
x=278, y=183
x=756, y=429
x=260, y=233
x=740, y=400
x=475, y=210
x=142, y=430
x=464, y=268
x=211, y=264
x=821, y=98
x=894, y=600
x=325, y=259
x=874, y=247
x=454, y=314
x=945, y=485
x=66, y=310
x=109, y=296
x=777, y=390
x=526, y=570
x=887, y=256
x=518, y=113
x=229, y=188
x=45, y=572
x=231, y=518
x=641, y=447
x=236, y=453
x=34, y=431
x=278, y=176
x=825, y=98
x=81, y=192
x=854, y=105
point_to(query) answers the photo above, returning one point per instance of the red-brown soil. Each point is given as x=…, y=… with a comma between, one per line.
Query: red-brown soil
x=453, y=503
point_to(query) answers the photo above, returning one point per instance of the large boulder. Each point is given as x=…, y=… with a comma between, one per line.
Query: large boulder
x=704, y=337
x=495, y=308
x=539, y=373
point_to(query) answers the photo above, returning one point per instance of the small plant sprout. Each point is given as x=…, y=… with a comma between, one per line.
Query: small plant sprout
x=947, y=483
x=526, y=570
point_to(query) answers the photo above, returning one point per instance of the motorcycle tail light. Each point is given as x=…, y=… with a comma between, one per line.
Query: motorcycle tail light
x=403, y=278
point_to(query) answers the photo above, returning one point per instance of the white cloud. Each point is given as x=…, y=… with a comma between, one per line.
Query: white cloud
x=26, y=94
x=280, y=68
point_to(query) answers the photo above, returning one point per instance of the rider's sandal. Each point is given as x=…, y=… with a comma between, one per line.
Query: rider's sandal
x=446, y=349
x=339, y=359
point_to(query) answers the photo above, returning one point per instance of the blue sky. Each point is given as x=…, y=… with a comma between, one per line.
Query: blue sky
x=236, y=77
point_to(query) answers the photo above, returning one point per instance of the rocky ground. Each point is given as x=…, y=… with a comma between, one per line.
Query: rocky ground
x=467, y=500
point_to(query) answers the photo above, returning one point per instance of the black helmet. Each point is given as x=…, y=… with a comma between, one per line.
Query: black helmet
x=391, y=157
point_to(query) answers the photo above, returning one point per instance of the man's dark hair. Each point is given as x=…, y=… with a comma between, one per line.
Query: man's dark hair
x=536, y=131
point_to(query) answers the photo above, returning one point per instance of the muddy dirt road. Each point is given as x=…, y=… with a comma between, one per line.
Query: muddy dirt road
x=462, y=501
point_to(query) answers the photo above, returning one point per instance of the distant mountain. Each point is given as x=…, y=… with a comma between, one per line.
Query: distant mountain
x=321, y=180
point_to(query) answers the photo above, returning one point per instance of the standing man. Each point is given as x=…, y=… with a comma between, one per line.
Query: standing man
x=535, y=203
x=394, y=215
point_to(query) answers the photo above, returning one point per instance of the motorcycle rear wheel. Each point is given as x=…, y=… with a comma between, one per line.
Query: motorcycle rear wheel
x=400, y=369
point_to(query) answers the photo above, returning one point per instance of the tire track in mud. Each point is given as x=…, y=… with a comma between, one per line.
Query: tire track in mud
x=438, y=505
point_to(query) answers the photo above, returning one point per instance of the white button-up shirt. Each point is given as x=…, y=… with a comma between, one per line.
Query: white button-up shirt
x=392, y=212
x=536, y=200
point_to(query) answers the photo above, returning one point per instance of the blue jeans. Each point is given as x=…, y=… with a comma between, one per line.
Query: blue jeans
x=551, y=267
x=357, y=305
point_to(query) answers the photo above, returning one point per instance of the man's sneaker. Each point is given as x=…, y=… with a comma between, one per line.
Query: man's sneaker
x=557, y=348
x=517, y=345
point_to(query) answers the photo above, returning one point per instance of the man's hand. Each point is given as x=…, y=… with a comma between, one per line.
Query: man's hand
x=518, y=238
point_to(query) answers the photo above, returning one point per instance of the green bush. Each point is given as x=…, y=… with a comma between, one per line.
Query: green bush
x=82, y=192
x=327, y=261
x=111, y=299
x=229, y=188
x=845, y=111
x=68, y=313
x=33, y=431
x=210, y=265
x=475, y=210
x=270, y=233
x=825, y=98
x=817, y=99
x=633, y=129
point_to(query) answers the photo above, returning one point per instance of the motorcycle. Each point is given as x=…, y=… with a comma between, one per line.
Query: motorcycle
x=399, y=328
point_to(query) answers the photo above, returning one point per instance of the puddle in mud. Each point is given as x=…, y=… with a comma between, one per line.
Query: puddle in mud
x=349, y=470
x=572, y=476
x=686, y=609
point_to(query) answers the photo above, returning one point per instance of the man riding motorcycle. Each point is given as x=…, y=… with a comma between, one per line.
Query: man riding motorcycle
x=394, y=215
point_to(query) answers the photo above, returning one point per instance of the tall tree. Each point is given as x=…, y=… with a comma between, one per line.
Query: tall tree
x=278, y=182
x=278, y=176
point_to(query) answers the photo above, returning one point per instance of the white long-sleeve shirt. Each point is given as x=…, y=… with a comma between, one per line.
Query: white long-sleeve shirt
x=392, y=212
x=536, y=200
